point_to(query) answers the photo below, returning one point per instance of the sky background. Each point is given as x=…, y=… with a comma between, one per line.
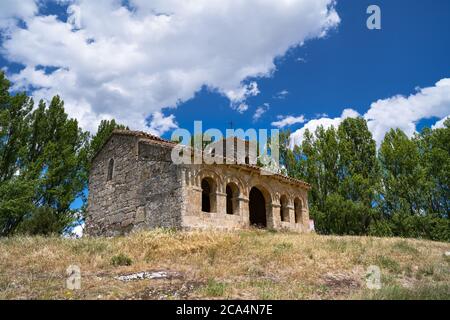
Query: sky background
x=318, y=69
x=350, y=68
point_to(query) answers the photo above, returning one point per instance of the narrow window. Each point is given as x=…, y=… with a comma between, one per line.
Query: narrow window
x=110, y=169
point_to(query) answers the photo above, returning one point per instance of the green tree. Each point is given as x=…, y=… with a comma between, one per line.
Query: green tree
x=16, y=200
x=16, y=192
x=319, y=164
x=435, y=158
x=43, y=162
x=404, y=180
x=358, y=164
x=344, y=217
x=290, y=159
x=14, y=120
x=60, y=166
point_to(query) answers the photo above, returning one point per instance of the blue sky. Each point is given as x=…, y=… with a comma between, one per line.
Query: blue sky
x=350, y=67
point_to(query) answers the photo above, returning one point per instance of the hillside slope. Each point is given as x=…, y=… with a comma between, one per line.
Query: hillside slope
x=235, y=265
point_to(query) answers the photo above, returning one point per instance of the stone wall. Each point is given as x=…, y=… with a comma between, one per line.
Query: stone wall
x=112, y=204
x=144, y=192
x=160, y=190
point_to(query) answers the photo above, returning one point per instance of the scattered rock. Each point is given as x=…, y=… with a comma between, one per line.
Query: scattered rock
x=156, y=275
x=447, y=254
x=341, y=282
x=173, y=291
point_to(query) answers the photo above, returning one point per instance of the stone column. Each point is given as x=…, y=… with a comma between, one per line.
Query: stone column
x=291, y=215
x=235, y=205
x=269, y=216
x=221, y=203
x=244, y=210
x=276, y=214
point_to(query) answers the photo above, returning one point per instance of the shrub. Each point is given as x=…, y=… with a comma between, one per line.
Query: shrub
x=121, y=260
x=43, y=221
x=380, y=228
x=420, y=226
x=343, y=217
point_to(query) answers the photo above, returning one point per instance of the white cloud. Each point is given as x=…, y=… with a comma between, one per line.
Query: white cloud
x=260, y=111
x=76, y=232
x=395, y=112
x=281, y=95
x=11, y=10
x=285, y=121
x=404, y=112
x=312, y=125
x=161, y=124
x=125, y=64
x=238, y=96
x=242, y=108
x=440, y=123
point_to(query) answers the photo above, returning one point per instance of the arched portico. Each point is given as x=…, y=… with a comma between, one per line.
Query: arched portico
x=209, y=195
x=260, y=207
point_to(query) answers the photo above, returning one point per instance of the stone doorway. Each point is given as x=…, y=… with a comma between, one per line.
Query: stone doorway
x=257, y=206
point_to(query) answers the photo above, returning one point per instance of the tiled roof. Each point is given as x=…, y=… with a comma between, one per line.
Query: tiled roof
x=158, y=140
x=145, y=135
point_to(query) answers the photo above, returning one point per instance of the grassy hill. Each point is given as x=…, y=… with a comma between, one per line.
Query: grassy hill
x=216, y=265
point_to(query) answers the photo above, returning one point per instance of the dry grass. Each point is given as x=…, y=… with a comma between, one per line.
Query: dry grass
x=236, y=265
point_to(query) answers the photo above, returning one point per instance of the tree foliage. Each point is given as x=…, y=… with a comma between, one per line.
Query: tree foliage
x=44, y=163
x=401, y=189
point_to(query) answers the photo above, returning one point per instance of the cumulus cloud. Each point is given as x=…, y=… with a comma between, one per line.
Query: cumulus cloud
x=440, y=123
x=312, y=125
x=161, y=124
x=286, y=121
x=238, y=96
x=260, y=111
x=404, y=112
x=13, y=10
x=396, y=112
x=129, y=61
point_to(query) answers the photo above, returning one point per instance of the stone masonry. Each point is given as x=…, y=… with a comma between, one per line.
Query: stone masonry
x=134, y=185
